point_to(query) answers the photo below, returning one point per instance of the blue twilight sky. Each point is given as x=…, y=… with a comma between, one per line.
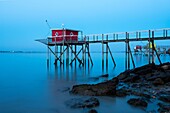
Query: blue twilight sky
x=23, y=21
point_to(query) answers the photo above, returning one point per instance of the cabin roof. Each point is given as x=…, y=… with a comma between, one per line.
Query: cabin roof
x=65, y=29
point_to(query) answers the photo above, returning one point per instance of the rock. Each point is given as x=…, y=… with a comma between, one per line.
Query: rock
x=128, y=77
x=135, y=78
x=168, y=51
x=124, y=75
x=121, y=92
x=83, y=102
x=141, y=94
x=163, y=108
x=92, y=111
x=101, y=89
x=165, y=76
x=144, y=69
x=137, y=102
x=158, y=81
x=105, y=75
x=165, y=98
x=94, y=78
x=165, y=67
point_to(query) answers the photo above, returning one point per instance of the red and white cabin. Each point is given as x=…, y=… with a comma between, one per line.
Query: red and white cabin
x=68, y=35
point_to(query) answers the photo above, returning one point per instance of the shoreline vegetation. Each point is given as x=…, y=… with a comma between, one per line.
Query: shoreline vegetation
x=148, y=84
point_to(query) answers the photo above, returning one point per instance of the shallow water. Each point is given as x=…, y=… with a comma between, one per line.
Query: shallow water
x=28, y=86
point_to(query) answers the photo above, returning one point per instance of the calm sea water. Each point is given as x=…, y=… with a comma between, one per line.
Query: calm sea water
x=28, y=86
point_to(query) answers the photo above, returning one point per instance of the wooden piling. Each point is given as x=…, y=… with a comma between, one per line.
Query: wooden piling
x=61, y=57
x=102, y=51
x=107, y=51
x=83, y=54
x=75, y=50
x=152, y=47
x=47, y=57
x=126, y=52
x=149, y=46
x=67, y=56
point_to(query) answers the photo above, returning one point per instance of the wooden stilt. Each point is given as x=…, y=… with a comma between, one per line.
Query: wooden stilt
x=111, y=55
x=57, y=58
x=87, y=45
x=103, y=51
x=89, y=56
x=149, y=46
x=154, y=49
x=107, y=51
x=67, y=56
x=83, y=54
x=61, y=58
x=130, y=53
x=76, y=55
x=47, y=57
x=126, y=51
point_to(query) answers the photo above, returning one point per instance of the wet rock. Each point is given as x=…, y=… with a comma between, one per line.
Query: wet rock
x=164, y=108
x=83, y=102
x=94, y=78
x=135, y=78
x=144, y=69
x=136, y=85
x=158, y=81
x=121, y=92
x=124, y=75
x=92, y=111
x=137, y=102
x=65, y=89
x=165, y=67
x=105, y=75
x=141, y=94
x=165, y=98
x=101, y=89
x=168, y=51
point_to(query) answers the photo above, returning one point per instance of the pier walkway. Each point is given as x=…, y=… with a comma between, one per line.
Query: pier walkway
x=84, y=41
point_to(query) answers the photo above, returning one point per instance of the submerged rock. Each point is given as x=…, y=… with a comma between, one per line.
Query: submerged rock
x=158, y=81
x=83, y=102
x=137, y=102
x=150, y=82
x=165, y=98
x=92, y=111
x=122, y=92
x=101, y=89
x=164, y=108
x=105, y=75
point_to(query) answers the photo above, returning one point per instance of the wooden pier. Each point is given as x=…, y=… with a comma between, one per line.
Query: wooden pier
x=64, y=47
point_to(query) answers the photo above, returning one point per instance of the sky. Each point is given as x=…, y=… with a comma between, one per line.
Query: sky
x=23, y=21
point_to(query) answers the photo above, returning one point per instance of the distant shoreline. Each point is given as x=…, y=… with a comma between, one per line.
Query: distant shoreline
x=22, y=52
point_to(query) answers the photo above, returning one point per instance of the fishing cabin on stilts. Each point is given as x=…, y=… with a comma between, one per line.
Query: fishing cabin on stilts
x=67, y=41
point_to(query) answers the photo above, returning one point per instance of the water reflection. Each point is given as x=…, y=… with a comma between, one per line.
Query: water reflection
x=84, y=73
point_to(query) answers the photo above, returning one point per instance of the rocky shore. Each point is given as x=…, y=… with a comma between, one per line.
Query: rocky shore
x=149, y=83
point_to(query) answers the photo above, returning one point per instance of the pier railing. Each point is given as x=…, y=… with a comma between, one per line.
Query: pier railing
x=161, y=33
x=118, y=36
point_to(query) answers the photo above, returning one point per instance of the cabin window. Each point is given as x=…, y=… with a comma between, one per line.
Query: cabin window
x=71, y=34
x=56, y=34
